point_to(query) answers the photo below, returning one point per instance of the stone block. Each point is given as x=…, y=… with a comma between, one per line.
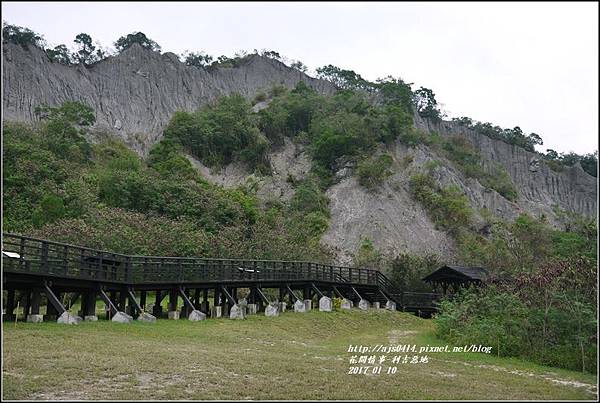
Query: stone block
x=237, y=312
x=325, y=304
x=299, y=306
x=146, y=317
x=282, y=306
x=216, y=312
x=196, y=316
x=272, y=309
x=252, y=309
x=68, y=318
x=122, y=317
x=35, y=318
x=308, y=304
x=391, y=305
x=346, y=304
x=90, y=318
x=376, y=305
x=173, y=315
x=363, y=304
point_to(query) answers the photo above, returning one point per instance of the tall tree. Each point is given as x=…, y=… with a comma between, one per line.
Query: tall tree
x=136, y=37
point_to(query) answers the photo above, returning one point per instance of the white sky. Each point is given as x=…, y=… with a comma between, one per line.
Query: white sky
x=531, y=65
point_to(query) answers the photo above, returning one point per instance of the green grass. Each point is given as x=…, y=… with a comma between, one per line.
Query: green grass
x=294, y=356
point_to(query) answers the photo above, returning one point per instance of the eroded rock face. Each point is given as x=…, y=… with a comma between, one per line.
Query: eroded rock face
x=135, y=93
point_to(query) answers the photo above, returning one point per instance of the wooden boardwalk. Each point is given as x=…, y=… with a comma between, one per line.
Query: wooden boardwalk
x=36, y=268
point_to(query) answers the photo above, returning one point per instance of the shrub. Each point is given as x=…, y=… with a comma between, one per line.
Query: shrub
x=448, y=207
x=221, y=133
x=373, y=171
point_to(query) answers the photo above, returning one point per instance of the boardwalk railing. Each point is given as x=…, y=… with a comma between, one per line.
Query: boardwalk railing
x=39, y=256
x=28, y=255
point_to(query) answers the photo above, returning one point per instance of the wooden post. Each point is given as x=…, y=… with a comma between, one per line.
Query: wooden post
x=173, y=300
x=143, y=300
x=157, y=310
x=27, y=304
x=10, y=304
x=35, y=302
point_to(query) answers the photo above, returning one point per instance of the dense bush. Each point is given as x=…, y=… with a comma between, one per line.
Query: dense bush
x=372, y=171
x=407, y=271
x=448, y=207
x=546, y=315
x=115, y=200
x=221, y=133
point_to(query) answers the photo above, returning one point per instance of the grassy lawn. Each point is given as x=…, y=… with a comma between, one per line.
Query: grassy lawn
x=294, y=356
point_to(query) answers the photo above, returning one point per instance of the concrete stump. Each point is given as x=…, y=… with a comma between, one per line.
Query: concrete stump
x=376, y=305
x=196, y=316
x=272, y=309
x=299, y=306
x=325, y=304
x=68, y=318
x=363, y=304
x=252, y=309
x=35, y=318
x=308, y=304
x=122, y=317
x=346, y=304
x=282, y=306
x=237, y=312
x=391, y=305
x=90, y=318
x=173, y=315
x=146, y=317
x=216, y=312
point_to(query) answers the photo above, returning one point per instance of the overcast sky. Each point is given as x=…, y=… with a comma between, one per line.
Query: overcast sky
x=529, y=65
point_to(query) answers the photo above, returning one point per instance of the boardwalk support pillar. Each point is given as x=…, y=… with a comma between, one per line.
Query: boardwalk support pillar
x=143, y=316
x=194, y=315
x=236, y=311
x=118, y=316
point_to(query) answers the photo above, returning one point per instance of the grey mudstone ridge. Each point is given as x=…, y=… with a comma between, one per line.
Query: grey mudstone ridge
x=122, y=317
x=299, y=306
x=137, y=91
x=325, y=304
x=35, y=318
x=135, y=94
x=364, y=304
x=196, y=316
x=391, y=305
x=272, y=309
x=346, y=304
x=237, y=312
x=146, y=317
x=68, y=318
